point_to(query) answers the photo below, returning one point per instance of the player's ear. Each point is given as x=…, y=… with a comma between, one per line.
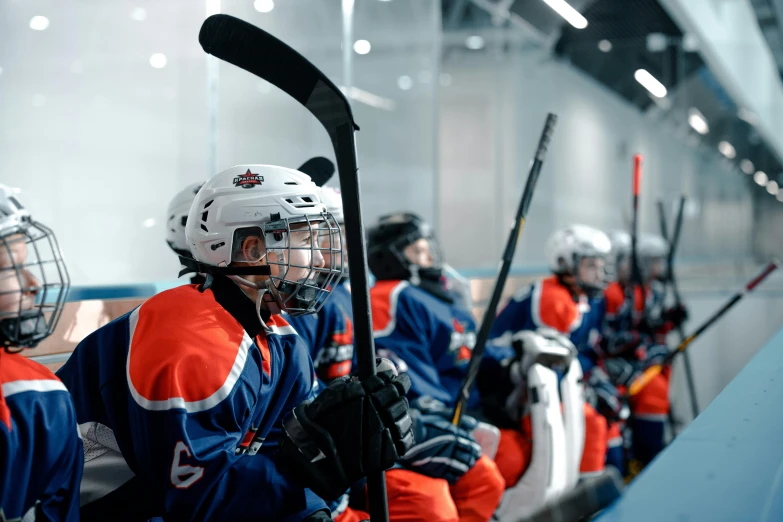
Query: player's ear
x=253, y=249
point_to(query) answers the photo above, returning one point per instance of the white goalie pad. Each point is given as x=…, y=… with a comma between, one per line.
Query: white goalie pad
x=546, y=477
x=488, y=437
x=573, y=398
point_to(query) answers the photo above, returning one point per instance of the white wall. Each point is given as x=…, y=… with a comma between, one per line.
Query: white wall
x=491, y=119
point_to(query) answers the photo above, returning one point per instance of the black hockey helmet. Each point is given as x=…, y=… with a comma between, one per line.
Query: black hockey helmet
x=387, y=240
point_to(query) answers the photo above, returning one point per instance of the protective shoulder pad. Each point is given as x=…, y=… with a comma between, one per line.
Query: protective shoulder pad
x=552, y=305
x=384, y=298
x=185, y=351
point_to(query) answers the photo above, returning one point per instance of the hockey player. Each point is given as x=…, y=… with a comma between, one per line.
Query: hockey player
x=196, y=405
x=40, y=448
x=634, y=338
x=417, y=325
x=566, y=301
x=177, y=217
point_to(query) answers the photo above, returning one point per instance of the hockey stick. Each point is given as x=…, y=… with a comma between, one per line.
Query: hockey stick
x=650, y=373
x=505, y=266
x=319, y=169
x=636, y=271
x=670, y=281
x=584, y=500
x=248, y=47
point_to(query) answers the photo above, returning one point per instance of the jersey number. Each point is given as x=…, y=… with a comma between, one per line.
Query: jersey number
x=182, y=475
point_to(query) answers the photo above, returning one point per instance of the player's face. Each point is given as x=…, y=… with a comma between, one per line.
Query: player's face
x=335, y=242
x=420, y=253
x=303, y=251
x=592, y=271
x=17, y=285
x=657, y=268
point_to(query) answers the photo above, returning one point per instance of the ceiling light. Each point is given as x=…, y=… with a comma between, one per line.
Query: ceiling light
x=1, y=70
x=39, y=23
x=474, y=42
x=139, y=14
x=690, y=44
x=760, y=178
x=264, y=6
x=727, y=149
x=158, y=60
x=772, y=187
x=605, y=46
x=148, y=223
x=747, y=166
x=780, y=195
x=362, y=46
x=657, y=42
x=404, y=83
x=571, y=15
x=697, y=121
x=650, y=83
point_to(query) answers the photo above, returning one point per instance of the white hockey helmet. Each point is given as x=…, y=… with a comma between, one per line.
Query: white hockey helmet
x=333, y=199
x=568, y=246
x=177, y=213
x=33, y=277
x=282, y=207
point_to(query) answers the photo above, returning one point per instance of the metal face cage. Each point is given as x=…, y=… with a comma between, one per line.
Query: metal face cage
x=33, y=285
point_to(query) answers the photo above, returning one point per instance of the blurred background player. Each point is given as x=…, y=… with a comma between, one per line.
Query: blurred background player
x=41, y=463
x=178, y=398
x=634, y=338
x=418, y=326
x=568, y=302
x=177, y=218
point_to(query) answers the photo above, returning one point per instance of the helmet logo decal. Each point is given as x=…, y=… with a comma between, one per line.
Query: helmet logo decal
x=248, y=180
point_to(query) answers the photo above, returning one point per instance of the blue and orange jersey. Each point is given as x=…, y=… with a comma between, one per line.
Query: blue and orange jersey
x=548, y=303
x=430, y=339
x=40, y=448
x=329, y=335
x=186, y=393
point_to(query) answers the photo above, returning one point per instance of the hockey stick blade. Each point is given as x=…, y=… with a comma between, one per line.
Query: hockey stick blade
x=254, y=50
x=258, y=52
x=319, y=169
x=586, y=499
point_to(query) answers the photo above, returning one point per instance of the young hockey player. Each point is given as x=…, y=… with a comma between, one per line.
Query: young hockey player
x=417, y=325
x=634, y=338
x=566, y=302
x=196, y=405
x=40, y=449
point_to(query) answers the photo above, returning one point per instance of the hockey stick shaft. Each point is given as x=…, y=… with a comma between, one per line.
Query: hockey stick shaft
x=650, y=373
x=671, y=282
x=263, y=55
x=636, y=273
x=505, y=265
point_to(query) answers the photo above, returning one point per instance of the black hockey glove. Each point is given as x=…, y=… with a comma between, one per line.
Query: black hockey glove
x=622, y=372
x=350, y=430
x=442, y=450
x=676, y=315
x=605, y=398
x=655, y=355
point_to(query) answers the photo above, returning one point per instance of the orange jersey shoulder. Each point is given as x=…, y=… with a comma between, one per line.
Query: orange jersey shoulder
x=383, y=300
x=554, y=306
x=186, y=350
x=19, y=374
x=615, y=297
